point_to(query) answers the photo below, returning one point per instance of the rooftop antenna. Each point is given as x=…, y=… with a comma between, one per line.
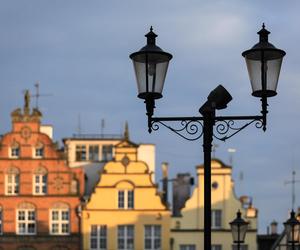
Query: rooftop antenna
x=102, y=127
x=293, y=182
x=214, y=147
x=37, y=94
x=231, y=152
x=79, y=125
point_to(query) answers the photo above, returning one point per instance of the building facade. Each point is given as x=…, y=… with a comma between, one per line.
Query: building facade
x=39, y=193
x=95, y=150
x=187, y=228
x=125, y=210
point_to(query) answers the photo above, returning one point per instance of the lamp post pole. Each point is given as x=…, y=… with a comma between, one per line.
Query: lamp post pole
x=208, y=123
x=239, y=240
x=151, y=64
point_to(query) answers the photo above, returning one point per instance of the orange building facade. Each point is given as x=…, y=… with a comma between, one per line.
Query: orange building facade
x=39, y=193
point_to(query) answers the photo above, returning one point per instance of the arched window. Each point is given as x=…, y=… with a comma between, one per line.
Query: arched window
x=125, y=195
x=126, y=199
x=14, y=150
x=40, y=179
x=26, y=219
x=12, y=179
x=60, y=219
x=39, y=150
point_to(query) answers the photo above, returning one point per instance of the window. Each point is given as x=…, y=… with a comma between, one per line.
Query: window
x=126, y=199
x=107, y=152
x=1, y=223
x=94, y=153
x=40, y=181
x=80, y=153
x=26, y=223
x=187, y=247
x=126, y=237
x=216, y=247
x=15, y=150
x=98, y=237
x=242, y=247
x=40, y=184
x=216, y=218
x=152, y=237
x=59, y=221
x=12, y=182
x=130, y=199
x=39, y=151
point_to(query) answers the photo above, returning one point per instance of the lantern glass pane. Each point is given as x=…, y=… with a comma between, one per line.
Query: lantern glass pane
x=239, y=232
x=292, y=232
x=243, y=230
x=150, y=71
x=235, y=232
x=272, y=70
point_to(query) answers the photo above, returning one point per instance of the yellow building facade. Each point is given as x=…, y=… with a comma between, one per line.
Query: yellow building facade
x=125, y=210
x=187, y=229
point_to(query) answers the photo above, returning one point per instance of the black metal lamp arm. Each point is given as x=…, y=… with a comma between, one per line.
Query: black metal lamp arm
x=191, y=128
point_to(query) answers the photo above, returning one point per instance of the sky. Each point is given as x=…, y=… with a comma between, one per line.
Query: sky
x=79, y=52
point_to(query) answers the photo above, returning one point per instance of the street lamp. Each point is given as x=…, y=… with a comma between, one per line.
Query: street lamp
x=292, y=230
x=263, y=63
x=238, y=228
x=151, y=64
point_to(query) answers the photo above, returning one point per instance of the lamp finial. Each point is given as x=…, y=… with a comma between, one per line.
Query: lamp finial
x=126, y=132
x=151, y=37
x=26, y=102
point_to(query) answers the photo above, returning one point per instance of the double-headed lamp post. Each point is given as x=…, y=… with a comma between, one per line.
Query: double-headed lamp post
x=151, y=64
x=238, y=228
x=292, y=230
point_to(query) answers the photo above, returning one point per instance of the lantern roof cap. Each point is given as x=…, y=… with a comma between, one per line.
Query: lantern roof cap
x=239, y=220
x=292, y=221
x=264, y=44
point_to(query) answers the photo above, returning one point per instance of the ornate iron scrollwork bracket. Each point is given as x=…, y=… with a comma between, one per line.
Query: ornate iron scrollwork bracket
x=226, y=129
x=191, y=128
x=187, y=129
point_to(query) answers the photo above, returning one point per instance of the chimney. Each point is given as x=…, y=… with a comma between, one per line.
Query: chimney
x=165, y=168
x=181, y=192
x=274, y=227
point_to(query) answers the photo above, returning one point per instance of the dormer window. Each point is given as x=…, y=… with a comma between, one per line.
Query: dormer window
x=39, y=150
x=15, y=150
x=125, y=199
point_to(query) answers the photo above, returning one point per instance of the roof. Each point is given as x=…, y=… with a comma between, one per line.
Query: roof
x=215, y=163
x=97, y=137
x=92, y=172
